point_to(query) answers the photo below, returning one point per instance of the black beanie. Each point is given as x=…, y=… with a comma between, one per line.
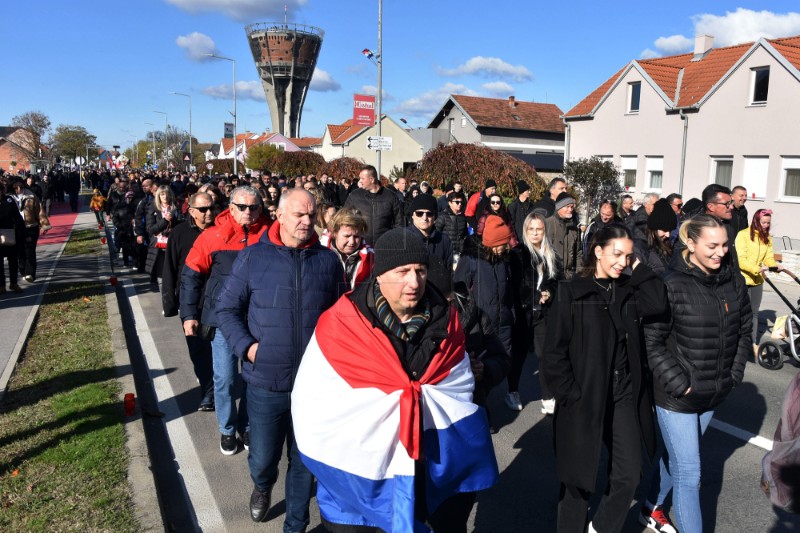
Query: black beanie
x=490, y=183
x=398, y=247
x=662, y=217
x=424, y=201
x=522, y=187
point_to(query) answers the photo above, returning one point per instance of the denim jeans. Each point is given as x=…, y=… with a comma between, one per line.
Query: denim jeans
x=228, y=385
x=680, y=465
x=270, y=428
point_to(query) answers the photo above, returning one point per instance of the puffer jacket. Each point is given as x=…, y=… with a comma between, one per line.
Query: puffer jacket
x=438, y=244
x=702, y=341
x=382, y=210
x=274, y=296
x=209, y=263
x=563, y=235
x=454, y=226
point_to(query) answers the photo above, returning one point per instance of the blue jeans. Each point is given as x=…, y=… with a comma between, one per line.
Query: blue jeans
x=228, y=385
x=270, y=427
x=680, y=465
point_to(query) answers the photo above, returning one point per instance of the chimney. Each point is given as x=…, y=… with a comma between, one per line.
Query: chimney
x=511, y=102
x=702, y=46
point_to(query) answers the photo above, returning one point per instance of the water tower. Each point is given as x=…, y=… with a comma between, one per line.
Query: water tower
x=285, y=56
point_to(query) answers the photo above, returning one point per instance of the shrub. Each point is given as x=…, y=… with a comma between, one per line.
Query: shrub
x=472, y=165
x=595, y=180
x=298, y=163
x=344, y=167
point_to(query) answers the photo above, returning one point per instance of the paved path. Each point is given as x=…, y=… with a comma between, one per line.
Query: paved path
x=525, y=499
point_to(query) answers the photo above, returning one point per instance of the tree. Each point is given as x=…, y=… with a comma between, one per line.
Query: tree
x=70, y=141
x=472, y=165
x=262, y=157
x=343, y=167
x=595, y=180
x=36, y=123
x=299, y=163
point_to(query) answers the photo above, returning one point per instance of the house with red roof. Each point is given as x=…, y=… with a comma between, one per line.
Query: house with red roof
x=247, y=140
x=16, y=145
x=717, y=115
x=531, y=131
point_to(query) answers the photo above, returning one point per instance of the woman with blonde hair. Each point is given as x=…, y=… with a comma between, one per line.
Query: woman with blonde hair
x=756, y=256
x=538, y=281
x=345, y=236
x=162, y=216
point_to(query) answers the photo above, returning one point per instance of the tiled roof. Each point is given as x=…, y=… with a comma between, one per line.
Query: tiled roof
x=227, y=145
x=5, y=131
x=499, y=113
x=341, y=133
x=699, y=77
x=305, y=142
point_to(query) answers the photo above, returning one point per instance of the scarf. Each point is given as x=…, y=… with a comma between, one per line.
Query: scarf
x=403, y=331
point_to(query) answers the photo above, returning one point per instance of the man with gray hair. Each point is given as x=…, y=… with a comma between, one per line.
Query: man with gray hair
x=207, y=267
x=638, y=221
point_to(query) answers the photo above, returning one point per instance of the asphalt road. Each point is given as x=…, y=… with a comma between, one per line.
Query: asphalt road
x=524, y=500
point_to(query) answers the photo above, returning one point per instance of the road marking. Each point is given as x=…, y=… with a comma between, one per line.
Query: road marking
x=752, y=438
x=209, y=516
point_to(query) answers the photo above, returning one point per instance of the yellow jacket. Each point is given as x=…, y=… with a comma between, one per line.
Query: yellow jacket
x=753, y=254
x=98, y=202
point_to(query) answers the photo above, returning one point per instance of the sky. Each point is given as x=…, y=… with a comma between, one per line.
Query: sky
x=110, y=65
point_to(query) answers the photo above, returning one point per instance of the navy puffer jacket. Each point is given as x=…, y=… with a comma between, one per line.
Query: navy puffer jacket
x=274, y=296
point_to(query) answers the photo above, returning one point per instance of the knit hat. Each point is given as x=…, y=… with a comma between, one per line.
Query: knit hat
x=564, y=199
x=662, y=217
x=424, y=201
x=490, y=183
x=522, y=186
x=692, y=206
x=396, y=248
x=449, y=187
x=495, y=232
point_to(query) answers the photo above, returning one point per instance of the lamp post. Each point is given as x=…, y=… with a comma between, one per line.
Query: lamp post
x=166, y=127
x=377, y=59
x=191, y=159
x=235, y=158
x=153, y=134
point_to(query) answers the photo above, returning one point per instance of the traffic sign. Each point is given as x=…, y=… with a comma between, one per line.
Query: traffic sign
x=186, y=157
x=79, y=160
x=210, y=166
x=379, y=143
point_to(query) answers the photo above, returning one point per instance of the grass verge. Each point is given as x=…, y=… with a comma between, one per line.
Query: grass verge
x=63, y=463
x=83, y=242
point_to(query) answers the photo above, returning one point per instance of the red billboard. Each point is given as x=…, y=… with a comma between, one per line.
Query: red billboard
x=363, y=110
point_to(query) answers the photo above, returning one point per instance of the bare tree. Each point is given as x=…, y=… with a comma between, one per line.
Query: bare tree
x=37, y=124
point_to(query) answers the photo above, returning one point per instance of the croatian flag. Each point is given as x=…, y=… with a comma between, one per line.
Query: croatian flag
x=361, y=424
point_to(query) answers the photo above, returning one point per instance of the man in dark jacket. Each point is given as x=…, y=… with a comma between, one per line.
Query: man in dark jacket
x=181, y=240
x=739, y=213
x=452, y=221
x=423, y=215
x=608, y=215
x=520, y=207
x=563, y=233
x=379, y=205
x=207, y=267
x=268, y=312
x=638, y=221
x=149, y=188
x=547, y=205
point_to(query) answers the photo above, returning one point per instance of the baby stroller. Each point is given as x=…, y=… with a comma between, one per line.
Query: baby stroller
x=771, y=352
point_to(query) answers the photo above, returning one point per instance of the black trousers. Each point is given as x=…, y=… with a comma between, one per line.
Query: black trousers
x=200, y=354
x=9, y=252
x=522, y=336
x=622, y=440
x=27, y=254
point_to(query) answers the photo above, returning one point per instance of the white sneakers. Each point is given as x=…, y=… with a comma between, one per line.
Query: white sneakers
x=548, y=406
x=513, y=402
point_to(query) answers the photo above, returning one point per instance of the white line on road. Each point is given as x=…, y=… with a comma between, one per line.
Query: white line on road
x=209, y=516
x=752, y=438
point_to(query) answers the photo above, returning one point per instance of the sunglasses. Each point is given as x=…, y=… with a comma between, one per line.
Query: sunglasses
x=679, y=206
x=495, y=203
x=459, y=202
x=245, y=207
x=202, y=208
x=423, y=214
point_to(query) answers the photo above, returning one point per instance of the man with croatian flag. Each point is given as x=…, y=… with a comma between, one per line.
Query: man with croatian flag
x=382, y=404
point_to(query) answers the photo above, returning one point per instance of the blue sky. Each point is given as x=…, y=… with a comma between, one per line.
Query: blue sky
x=109, y=65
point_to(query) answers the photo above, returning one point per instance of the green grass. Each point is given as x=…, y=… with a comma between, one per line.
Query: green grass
x=83, y=242
x=63, y=463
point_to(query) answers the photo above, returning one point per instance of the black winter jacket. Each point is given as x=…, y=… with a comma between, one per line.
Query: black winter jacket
x=702, y=341
x=180, y=242
x=382, y=210
x=438, y=244
x=454, y=226
x=518, y=211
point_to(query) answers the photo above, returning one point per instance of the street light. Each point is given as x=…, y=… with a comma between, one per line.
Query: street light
x=153, y=134
x=191, y=160
x=235, y=158
x=166, y=127
x=377, y=59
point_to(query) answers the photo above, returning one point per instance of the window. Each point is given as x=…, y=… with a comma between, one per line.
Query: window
x=634, y=93
x=628, y=171
x=791, y=177
x=463, y=122
x=760, y=86
x=655, y=171
x=279, y=146
x=723, y=171
x=755, y=176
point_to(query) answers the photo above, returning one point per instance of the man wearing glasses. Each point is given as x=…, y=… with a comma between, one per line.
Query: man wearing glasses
x=181, y=240
x=207, y=267
x=423, y=217
x=452, y=221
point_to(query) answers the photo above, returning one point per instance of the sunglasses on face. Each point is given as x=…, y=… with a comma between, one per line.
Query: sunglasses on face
x=495, y=203
x=202, y=208
x=459, y=202
x=423, y=214
x=245, y=207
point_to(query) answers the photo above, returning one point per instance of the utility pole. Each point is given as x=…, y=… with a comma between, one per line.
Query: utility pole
x=235, y=155
x=191, y=159
x=380, y=76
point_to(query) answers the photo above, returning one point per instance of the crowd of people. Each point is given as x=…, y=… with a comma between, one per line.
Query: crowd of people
x=363, y=326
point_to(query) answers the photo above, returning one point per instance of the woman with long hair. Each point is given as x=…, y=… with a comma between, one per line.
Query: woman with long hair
x=756, y=256
x=162, y=216
x=697, y=351
x=540, y=272
x=594, y=365
x=496, y=206
x=655, y=249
